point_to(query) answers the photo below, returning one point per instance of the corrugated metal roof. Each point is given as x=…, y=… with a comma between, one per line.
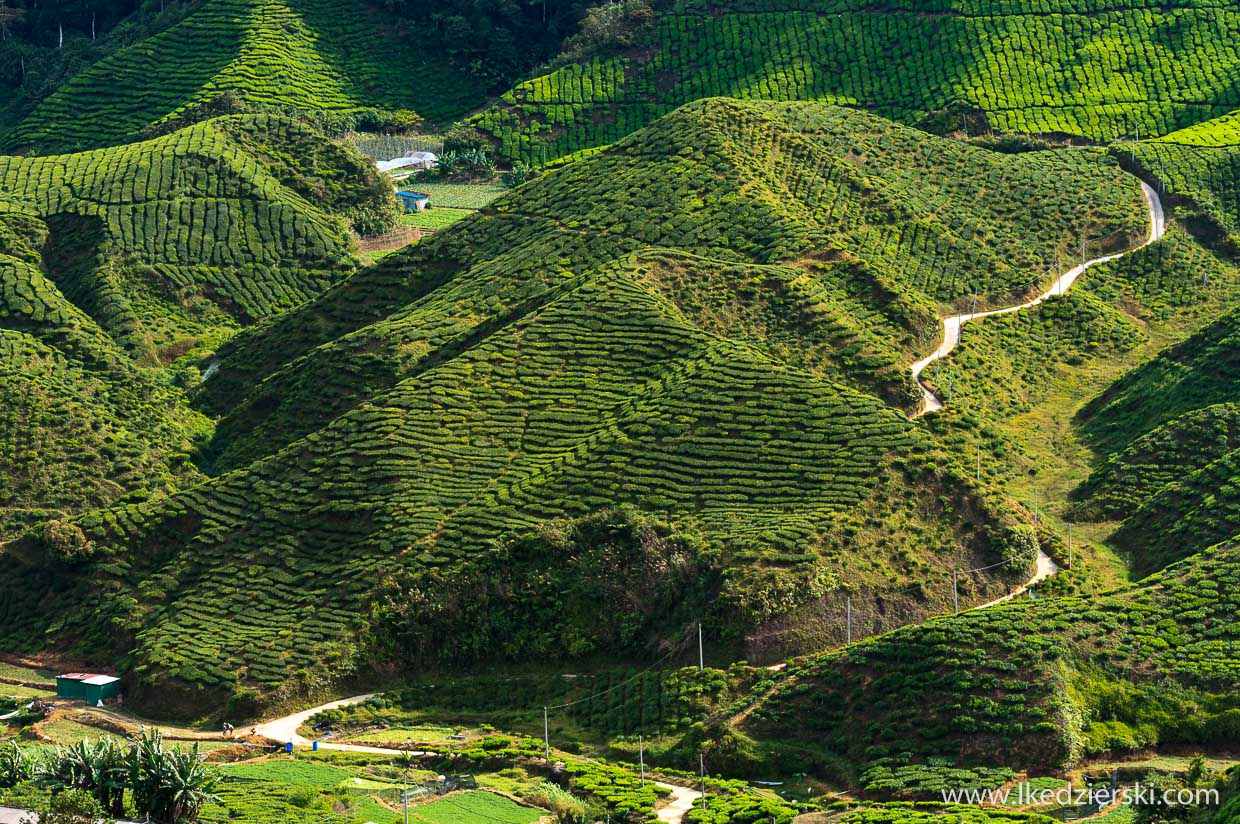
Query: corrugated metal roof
x=100, y=680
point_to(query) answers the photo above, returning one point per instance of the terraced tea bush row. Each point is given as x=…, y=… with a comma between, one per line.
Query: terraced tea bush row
x=932, y=813
x=1208, y=175
x=81, y=426
x=929, y=780
x=1027, y=67
x=1132, y=478
x=613, y=702
x=1202, y=371
x=1198, y=509
x=294, y=55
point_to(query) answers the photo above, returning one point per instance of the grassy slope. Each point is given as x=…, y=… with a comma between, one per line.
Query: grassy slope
x=299, y=54
x=1028, y=389
x=1197, y=506
x=561, y=354
x=1001, y=685
x=203, y=229
x=1081, y=67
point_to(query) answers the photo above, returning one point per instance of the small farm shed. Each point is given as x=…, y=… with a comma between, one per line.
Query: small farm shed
x=412, y=160
x=414, y=201
x=87, y=686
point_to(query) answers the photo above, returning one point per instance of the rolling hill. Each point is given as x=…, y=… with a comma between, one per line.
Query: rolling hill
x=1087, y=68
x=283, y=55
x=467, y=407
x=170, y=240
x=880, y=235
x=81, y=426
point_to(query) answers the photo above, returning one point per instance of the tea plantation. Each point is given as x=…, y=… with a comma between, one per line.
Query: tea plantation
x=1093, y=68
x=283, y=55
x=879, y=236
x=423, y=460
x=80, y=426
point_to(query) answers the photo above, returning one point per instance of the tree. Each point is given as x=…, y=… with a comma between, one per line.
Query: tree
x=15, y=765
x=96, y=768
x=171, y=786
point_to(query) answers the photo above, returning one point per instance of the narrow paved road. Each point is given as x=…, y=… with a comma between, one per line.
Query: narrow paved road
x=285, y=729
x=953, y=325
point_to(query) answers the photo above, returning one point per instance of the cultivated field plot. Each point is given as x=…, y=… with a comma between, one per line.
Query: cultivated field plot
x=436, y=217
x=473, y=807
x=460, y=195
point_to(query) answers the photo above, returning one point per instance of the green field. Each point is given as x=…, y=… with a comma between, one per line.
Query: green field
x=29, y=675
x=436, y=217
x=295, y=772
x=460, y=195
x=472, y=807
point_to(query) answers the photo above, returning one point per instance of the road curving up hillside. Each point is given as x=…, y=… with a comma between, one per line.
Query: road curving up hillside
x=953, y=325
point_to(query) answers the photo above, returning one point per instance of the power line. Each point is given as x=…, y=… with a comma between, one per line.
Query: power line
x=624, y=683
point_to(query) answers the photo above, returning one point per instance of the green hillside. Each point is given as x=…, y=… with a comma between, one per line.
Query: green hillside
x=870, y=234
x=1078, y=67
x=418, y=435
x=1030, y=684
x=1201, y=371
x=1188, y=442
x=163, y=242
x=308, y=55
x=80, y=426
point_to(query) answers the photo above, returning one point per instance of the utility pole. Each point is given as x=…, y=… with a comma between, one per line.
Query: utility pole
x=1069, y=546
x=848, y=622
x=641, y=758
x=979, y=462
x=546, y=737
x=702, y=774
x=955, y=593
x=701, y=657
x=404, y=795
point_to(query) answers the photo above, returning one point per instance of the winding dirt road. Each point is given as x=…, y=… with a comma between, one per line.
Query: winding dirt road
x=1045, y=569
x=953, y=325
